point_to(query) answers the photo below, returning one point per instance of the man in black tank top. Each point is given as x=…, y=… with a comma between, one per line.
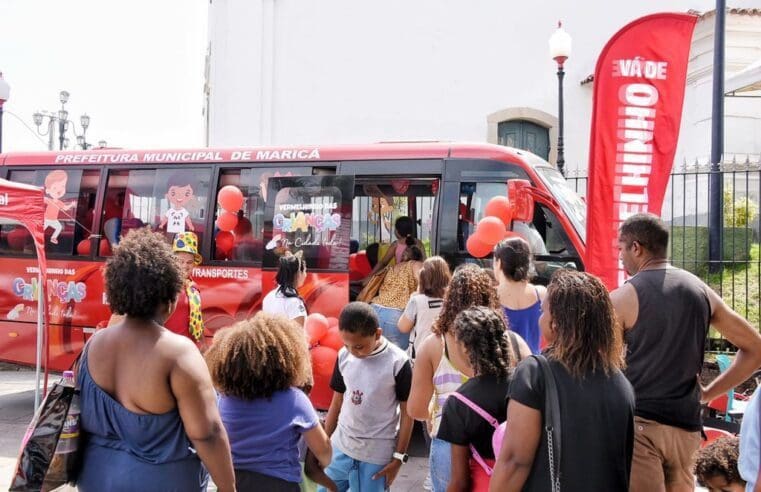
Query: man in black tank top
x=665, y=313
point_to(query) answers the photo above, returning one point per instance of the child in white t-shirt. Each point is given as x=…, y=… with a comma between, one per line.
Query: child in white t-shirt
x=285, y=299
x=425, y=305
x=367, y=421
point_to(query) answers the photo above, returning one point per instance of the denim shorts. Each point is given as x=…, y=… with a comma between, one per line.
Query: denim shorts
x=440, y=462
x=387, y=319
x=350, y=474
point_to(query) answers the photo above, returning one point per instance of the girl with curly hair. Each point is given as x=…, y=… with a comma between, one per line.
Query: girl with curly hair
x=257, y=366
x=441, y=365
x=585, y=355
x=479, y=332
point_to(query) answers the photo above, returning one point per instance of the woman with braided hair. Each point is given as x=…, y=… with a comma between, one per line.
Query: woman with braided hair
x=479, y=331
x=441, y=366
x=585, y=355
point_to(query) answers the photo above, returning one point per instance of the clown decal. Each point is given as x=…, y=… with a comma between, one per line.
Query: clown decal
x=55, y=189
x=179, y=193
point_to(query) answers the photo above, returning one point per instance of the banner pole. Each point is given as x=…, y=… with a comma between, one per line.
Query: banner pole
x=40, y=307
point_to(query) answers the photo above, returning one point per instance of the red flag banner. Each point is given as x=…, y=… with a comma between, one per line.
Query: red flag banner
x=638, y=94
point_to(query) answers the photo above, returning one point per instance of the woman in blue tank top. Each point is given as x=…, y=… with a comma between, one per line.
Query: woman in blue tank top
x=149, y=417
x=521, y=301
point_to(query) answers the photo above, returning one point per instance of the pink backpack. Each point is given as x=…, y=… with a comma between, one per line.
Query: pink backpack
x=496, y=437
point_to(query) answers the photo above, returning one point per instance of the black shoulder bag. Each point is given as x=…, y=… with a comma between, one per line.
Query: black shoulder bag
x=551, y=421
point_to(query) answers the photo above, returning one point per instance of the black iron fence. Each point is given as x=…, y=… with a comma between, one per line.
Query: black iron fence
x=737, y=276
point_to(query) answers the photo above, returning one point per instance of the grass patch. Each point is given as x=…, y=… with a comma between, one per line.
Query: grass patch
x=738, y=285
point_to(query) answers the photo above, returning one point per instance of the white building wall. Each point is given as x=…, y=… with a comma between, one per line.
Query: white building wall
x=341, y=71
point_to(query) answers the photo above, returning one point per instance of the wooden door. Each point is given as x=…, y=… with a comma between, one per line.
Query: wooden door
x=525, y=135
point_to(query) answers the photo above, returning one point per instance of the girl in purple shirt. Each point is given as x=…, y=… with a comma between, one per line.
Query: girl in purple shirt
x=258, y=366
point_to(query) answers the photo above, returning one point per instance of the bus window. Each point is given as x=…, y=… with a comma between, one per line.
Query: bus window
x=310, y=216
x=244, y=241
x=70, y=203
x=169, y=200
x=557, y=249
x=473, y=200
x=378, y=202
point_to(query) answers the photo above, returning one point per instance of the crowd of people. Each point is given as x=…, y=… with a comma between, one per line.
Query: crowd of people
x=518, y=387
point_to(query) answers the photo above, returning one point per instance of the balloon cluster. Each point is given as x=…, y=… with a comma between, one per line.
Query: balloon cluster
x=324, y=343
x=498, y=214
x=230, y=200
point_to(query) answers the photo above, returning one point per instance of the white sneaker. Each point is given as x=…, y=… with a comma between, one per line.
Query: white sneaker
x=428, y=483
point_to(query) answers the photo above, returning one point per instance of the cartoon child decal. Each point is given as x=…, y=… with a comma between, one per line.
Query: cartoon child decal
x=55, y=187
x=179, y=192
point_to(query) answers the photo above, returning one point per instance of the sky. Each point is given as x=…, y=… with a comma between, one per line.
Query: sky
x=136, y=68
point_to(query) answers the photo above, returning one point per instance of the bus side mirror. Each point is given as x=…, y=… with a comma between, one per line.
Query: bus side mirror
x=519, y=194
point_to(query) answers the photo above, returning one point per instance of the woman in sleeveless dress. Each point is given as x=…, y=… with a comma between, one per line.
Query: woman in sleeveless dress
x=521, y=301
x=149, y=417
x=441, y=365
x=398, y=285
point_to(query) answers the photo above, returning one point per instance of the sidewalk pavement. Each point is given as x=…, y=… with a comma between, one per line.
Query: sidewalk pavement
x=17, y=408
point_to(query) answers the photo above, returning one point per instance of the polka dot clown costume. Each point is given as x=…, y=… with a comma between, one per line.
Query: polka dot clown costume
x=187, y=242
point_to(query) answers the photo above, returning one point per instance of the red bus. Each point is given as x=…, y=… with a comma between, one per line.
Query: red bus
x=352, y=195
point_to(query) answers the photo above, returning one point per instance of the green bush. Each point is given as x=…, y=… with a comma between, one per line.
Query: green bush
x=689, y=247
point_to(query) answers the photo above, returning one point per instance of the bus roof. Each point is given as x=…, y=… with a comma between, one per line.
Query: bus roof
x=300, y=153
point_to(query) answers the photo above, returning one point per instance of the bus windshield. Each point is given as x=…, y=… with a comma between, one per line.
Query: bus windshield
x=574, y=207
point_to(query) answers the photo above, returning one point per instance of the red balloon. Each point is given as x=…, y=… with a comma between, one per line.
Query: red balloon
x=224, y=241
x=477, y=248
x=83, y=248
x=221, y=255
x=227, y=221
x=104, y=249
x=332, y=339
x=323, y=362
x=316, y=326
x=332, y=321
x=230, y=198
x=499, y=207
x=490, y=230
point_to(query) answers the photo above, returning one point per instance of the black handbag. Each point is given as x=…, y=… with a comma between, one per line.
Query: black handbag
x=552, y=426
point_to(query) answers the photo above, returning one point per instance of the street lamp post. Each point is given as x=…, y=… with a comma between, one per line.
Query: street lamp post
x=62, y=118
x=5, y=92
x=560, y=50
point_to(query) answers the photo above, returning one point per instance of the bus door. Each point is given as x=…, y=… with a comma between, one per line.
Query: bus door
x=310, y=216
x=231, y=280
x=468, y=186
x=383, y=192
